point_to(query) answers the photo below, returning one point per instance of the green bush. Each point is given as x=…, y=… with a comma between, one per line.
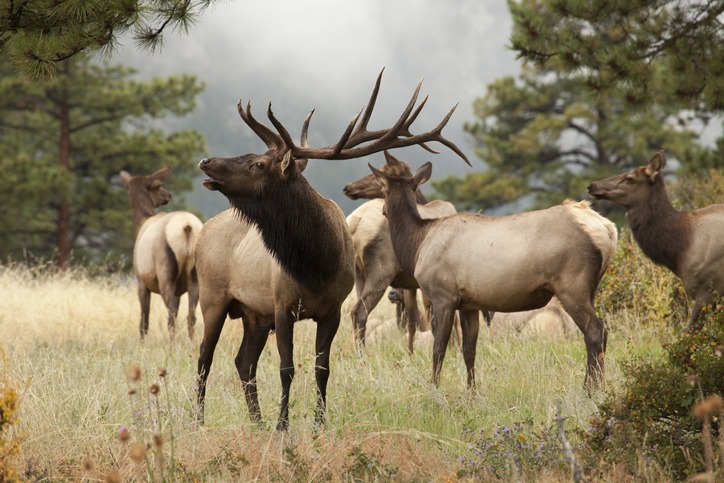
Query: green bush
x=651, y=417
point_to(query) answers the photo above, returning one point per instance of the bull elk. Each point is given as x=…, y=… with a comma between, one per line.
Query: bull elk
x=376, y=266
x=284, y=252
x=163, y=252
x=690, y=244
x=473, y=262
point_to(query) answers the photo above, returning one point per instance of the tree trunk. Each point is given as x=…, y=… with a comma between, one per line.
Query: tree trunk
x=63, y=225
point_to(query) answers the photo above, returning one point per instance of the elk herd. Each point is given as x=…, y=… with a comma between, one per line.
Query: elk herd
x=284, y=253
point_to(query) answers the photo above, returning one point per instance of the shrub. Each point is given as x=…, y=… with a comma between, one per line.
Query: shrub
x=507, y=453
x=9, y=440
x=652, y=416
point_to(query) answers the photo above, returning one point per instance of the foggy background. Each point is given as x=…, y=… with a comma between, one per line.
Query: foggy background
x=325, y=55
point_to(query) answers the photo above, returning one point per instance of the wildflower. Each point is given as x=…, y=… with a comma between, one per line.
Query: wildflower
x=113, y=477
x=521, y=438
x=137, y=452
x=693, y=380
x=153, y=389
x=712, y=404
x=87, y=463
x=162, y=372
x=133, y=372
x=123, y=434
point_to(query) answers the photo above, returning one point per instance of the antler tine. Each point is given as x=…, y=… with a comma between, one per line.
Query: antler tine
x=270, y=138
x=394, y=131
x=286, y=137
x=337, y=148
x=371, y=104
x=305, y=128
x=411, y=119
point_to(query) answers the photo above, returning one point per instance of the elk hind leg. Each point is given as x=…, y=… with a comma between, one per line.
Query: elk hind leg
x=442, y=324
x=193, y=295
x=470, y=327
x=144, y=297
x=595, y=337
x=285, y=344
x=326, y=331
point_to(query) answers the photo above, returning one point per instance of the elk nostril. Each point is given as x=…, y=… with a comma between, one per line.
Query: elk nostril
x=203, y=162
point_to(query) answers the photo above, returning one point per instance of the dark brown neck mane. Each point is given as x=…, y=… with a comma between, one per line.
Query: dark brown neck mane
x=662, y=232
x=298, y=230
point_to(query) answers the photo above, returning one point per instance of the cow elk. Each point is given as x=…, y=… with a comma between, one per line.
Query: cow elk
x=284, y=253
x=473, y=262
x=376, y=266
x=163, y=253
x=690, y=244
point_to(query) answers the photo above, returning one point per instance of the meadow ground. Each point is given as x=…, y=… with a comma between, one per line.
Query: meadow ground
x=68, y=340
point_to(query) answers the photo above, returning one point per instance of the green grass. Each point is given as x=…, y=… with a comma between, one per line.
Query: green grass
x=69, y=339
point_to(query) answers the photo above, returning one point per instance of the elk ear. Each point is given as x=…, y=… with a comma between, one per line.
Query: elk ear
x=289, y=166
x=656, y=165
x=160, y=176
x=379, y=176
x=125, y=178
x=391, y=160
x=423, y=174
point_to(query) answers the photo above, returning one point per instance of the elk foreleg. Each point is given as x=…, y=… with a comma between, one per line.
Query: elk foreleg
x=144, y=297
x=326, y=330
x=214, y=318
x=470, y=326
x=443, y=324
x=247, y=360
x=284, y=328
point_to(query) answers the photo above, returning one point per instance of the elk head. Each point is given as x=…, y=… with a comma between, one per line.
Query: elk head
x=632, y=188
x=368, y=188
x=147, y=190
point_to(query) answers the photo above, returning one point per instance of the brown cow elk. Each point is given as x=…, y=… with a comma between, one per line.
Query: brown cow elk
x=163, y=253
x=473, y=262
x=284, y=252
x=689, y=244
x=376, y=266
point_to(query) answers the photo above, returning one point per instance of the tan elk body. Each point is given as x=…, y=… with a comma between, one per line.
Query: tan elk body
x=376, y=266
x=509, y=263
x=690, y=244
x=293, y=244
x=163, y=252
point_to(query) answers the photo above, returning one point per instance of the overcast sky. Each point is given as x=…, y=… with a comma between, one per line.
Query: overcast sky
x=326, y=54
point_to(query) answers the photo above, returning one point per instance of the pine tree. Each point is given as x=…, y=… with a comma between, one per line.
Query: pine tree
x=544, y=136
x=62, y=144
x=623, y=45
x=38, y=34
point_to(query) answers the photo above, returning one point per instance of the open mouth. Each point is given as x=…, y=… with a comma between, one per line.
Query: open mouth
x=211, y=183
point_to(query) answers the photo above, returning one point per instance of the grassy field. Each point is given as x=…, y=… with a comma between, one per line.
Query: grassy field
x=68, y=341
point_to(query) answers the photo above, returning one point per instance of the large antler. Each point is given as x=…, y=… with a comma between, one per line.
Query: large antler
x=356, y=141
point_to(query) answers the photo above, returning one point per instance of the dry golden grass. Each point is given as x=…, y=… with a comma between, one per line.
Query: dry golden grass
x=70, y=338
